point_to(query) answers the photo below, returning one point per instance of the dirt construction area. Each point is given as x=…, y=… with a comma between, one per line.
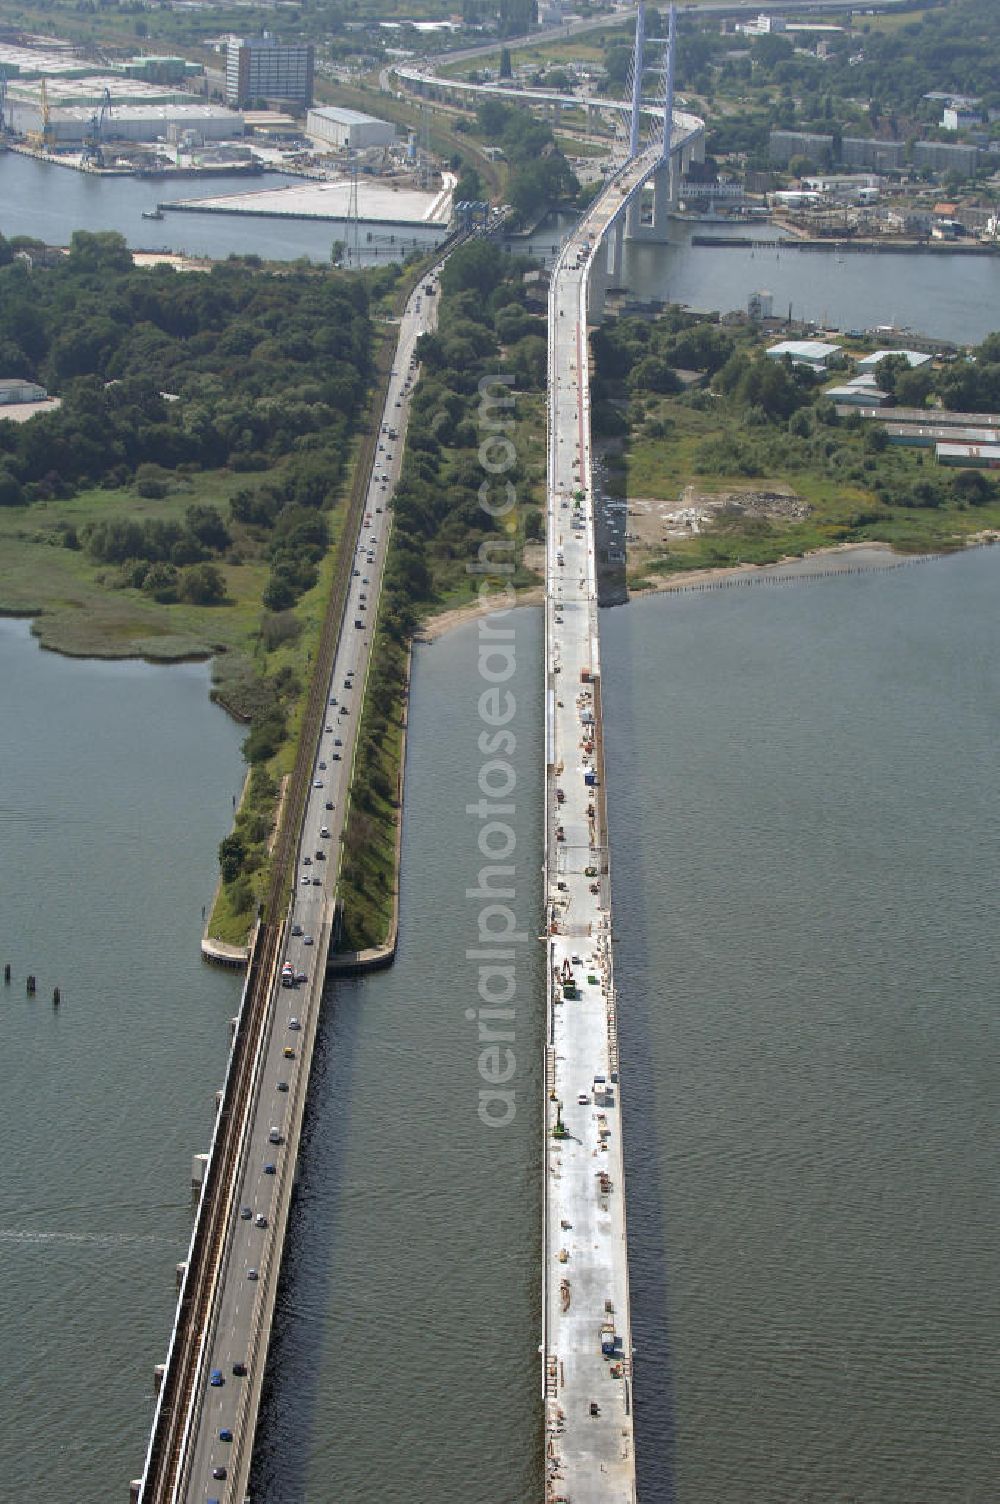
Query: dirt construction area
x=651, y=524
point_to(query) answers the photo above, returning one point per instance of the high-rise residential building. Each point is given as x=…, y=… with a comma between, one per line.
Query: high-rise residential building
x=938, y=157
x=784, y=145
x=261, y=68
x=869, y=151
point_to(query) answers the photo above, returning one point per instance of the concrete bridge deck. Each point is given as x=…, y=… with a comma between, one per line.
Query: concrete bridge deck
x=587, y=1336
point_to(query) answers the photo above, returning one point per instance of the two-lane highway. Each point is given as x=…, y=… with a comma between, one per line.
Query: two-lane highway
x=218, y=1442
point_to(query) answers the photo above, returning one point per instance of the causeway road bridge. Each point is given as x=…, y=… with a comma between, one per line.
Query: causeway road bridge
x=201, y=1441
x=586, y=1331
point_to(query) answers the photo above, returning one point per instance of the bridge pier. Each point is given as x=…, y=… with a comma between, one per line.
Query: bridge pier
x=657, y=228
x=605, y=269
x=616, y=246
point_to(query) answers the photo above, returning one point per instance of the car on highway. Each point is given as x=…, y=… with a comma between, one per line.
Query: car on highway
x=307, y=861
x=245, y=1213
x=260, y=1220
x=240, y=1370
x=288, y=1052
x=307, y=939
x=216, y=1380
x=305, y=881
x=324, y=830
x=322, y=767
x=317, y=882
x=270, y=1169
x=274, y=1136
x=282, y=1085
x=225, y=1434
x=218, y=1472
x=296, y=929
x=293, y=1023
x=329, y=804
x=317, y=783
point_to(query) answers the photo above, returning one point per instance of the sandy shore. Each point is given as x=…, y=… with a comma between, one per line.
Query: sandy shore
x=840, y=558
x=436, y=626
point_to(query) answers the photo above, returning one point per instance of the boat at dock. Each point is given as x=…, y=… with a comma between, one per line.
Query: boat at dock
x=152, y=213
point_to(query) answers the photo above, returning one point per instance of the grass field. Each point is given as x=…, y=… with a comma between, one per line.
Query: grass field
x=77, y=610
x=659, y=468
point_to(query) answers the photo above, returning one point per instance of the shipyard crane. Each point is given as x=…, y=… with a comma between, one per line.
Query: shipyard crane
x=92, y=149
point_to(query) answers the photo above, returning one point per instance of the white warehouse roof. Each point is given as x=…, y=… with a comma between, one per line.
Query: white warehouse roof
x=914, y=358
x=813, y=352
x=338, y=116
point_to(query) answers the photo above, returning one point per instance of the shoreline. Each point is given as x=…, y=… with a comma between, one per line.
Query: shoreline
x=820, y=563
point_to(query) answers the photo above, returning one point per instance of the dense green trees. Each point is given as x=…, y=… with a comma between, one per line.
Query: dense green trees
x=440, y=522
x=539, y=173
x=260, y=365
x=771, y=419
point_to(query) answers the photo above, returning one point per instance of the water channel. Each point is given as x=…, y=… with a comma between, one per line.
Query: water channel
x=803, y=841
x=50, y=202
x=804, y=837
x=116, y=783
x=949, y=296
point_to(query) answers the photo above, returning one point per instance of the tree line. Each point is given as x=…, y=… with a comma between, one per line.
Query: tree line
x=229, y=367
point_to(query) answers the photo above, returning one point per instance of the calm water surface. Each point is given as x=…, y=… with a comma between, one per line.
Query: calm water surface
x=50, y=202
x=805, y=838
x=115, y=789
x=952, y=298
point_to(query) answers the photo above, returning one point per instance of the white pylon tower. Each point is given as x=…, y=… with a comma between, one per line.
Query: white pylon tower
x=668, y=93
x=637, y=70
